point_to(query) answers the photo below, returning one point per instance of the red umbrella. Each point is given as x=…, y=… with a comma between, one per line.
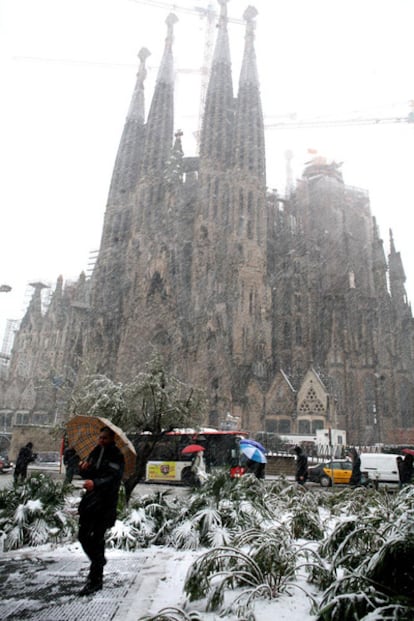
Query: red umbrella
x=192, y=448
x=408, y=451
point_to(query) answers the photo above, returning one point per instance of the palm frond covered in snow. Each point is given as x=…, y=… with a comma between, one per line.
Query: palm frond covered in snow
x=256, y=540
x=34, y=513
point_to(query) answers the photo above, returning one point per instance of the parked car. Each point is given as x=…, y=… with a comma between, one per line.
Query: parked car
x=337, y=471
x=5, y=465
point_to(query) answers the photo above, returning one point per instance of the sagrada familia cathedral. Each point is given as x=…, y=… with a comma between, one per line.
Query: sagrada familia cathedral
x=284, y=309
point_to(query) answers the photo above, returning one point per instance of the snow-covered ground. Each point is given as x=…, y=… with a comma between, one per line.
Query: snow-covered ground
x=158, y=584
x=294, y=606
x=241, y=540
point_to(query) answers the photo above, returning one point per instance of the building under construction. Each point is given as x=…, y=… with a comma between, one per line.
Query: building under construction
x=284, y=309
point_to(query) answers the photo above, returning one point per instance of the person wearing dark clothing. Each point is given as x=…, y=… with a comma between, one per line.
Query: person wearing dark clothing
x=24, y=458
x=400, y=466
x=256, y=468
x=103, y=472
x=71, y=463
x=407, y=470
x=356, y=475
x=301, y=466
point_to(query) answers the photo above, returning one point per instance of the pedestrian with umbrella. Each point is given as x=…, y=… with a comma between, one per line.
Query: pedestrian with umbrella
x=255, y=457
x=198, y=465
x=102, y=470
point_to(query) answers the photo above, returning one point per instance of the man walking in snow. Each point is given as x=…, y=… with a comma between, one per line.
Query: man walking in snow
x=301, y=466
x=103, y=472
x=71, y=463
x=24, y=458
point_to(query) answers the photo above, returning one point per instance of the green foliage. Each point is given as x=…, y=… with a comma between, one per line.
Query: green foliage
x=261, y=569
x=251, y=529
x=368, y=561
x=355, y=605
x=98, y=395
x=153, y=401
x=304, y=520
x=273, y=551
x=35, y=513
x=145, y=521
x=160, y=401
x=173, y=614
x=391, y=568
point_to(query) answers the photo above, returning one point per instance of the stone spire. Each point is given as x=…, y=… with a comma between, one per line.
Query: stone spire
x=379, y=263
x=397, y=275
x=248, y=150
x=160, y=123
x=216, y=131
x=129, y=156
x=174, y=172
x=136, y=110
x=33, y=314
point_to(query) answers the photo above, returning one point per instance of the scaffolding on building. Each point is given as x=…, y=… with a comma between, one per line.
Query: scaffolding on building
x=12, y=325
x=93, y=255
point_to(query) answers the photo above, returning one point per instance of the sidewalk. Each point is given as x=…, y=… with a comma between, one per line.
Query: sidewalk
x=44, y=586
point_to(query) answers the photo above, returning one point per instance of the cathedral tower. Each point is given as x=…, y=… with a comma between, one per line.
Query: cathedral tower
x=284, y=309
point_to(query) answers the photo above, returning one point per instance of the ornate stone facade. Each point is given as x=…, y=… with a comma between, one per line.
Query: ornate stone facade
x=285, y=309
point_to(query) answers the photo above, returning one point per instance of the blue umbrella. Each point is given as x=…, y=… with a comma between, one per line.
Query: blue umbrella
x=247, y=441
x=253, y=453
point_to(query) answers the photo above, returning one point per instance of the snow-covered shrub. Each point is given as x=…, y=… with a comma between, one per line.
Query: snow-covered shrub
x=185, y=536
x=122, y=535
x=173, y=614
x=34, y=513
x=211, y=531
x=145, y=521
x=259, y=564
x=370, y=557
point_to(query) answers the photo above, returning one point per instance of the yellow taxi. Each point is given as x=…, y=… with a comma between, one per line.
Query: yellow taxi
x=336, y=472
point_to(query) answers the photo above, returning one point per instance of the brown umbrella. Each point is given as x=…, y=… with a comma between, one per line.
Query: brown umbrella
x=83, y=431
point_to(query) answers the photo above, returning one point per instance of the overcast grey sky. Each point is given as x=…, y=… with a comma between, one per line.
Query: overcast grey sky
x=68, y=70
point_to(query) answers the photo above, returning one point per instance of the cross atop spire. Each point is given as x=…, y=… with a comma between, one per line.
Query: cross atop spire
x=249, y=15
x=166, y=73
x=171, y=20
x=223, y=9
x=136, y=110
x=249, y=67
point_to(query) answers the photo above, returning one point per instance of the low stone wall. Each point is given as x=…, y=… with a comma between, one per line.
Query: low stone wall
x=278, y=465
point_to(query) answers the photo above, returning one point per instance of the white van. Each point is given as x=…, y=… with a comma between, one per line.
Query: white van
x=381, y=469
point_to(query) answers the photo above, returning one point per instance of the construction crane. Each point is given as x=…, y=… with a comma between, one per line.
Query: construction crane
x=207, y=11
x=293, y=122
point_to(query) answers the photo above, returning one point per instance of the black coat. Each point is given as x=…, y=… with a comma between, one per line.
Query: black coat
x=106, y=472
x=356, y=472
x=24, y=458
x=407, y=471
x=71, y=458
x=301, y=467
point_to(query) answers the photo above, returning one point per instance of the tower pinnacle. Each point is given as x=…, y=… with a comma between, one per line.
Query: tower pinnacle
x=159, y=127
x=136, y=110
